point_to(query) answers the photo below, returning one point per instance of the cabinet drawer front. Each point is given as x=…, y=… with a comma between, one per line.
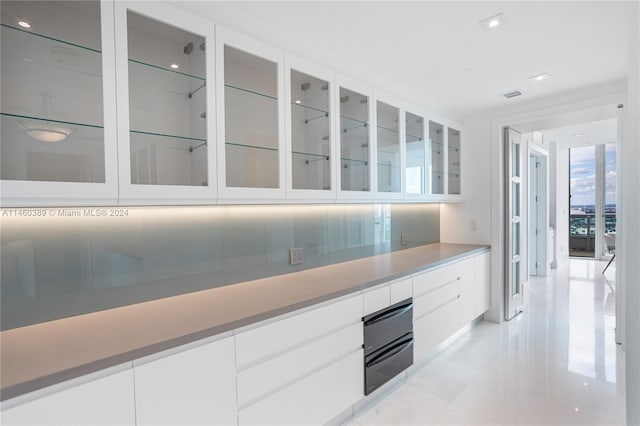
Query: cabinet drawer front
x=196, y=386
x=281, y=336
x=271, y=375
x=316, y=399
x=431, y=280
x=434, y=328
x=105, y=401
x=431, y=301
x=374, y=300
x=400, y=290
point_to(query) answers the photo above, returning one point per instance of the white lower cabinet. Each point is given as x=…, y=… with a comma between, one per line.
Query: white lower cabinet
x=105, y=401
x=468, y=289
x=435, y=327
x=315, y=399
x=483, y=287
x=197, y=386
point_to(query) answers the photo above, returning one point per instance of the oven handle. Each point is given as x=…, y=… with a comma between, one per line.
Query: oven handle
x=395, y=312
x=390, y=352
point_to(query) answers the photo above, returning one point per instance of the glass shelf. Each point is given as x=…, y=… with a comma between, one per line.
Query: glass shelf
x=355, y=120
x=393, y=166
x=67, y=43
x=48, y=120
x=135, y=61
x=229, y=86
x=181, y=142
x=353, y=160
x=416, y=138
x=309, y=107
x=310, y=154
x=387, y=129
x=242, y=145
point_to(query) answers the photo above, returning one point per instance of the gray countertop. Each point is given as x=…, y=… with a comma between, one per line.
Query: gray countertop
x=43, y=354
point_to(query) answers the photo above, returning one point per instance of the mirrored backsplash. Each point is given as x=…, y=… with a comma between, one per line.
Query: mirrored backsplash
x=73, y=261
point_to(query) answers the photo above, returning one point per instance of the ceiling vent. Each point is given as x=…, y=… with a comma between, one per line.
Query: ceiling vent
x=512, y=94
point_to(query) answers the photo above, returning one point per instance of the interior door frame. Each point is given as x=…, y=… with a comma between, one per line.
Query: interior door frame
x=542, y=158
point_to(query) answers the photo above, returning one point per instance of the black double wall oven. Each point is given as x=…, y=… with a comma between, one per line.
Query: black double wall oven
x=388, y=344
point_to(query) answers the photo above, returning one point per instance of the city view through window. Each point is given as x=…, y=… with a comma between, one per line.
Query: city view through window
x=583, y=197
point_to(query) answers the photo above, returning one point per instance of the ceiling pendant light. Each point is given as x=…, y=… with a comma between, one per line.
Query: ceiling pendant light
x=43, y=130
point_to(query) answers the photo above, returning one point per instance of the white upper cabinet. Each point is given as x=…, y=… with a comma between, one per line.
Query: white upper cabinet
x=389, y=133
x=310, y=122
x=415, y=170
x=251, y=124
x=444, y=160
x=356, y=138
x=166, y=109
x=57, y=141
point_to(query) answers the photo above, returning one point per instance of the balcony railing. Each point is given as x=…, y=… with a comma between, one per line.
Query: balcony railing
x=582, y=232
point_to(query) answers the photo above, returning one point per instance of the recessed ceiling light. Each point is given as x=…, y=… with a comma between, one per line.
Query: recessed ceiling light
x=540, y=77
x=578, y=135
x=298, y=101
x=494, y=22
x=24, y=24
x=175, y=66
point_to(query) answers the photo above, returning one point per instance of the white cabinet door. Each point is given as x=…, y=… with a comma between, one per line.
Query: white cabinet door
x=434, y=328
x=400, y=290
x=376, y=299
x=197, y=386
x=316, y=399
x=105, y=401
x=468, y=290
x=483, y=285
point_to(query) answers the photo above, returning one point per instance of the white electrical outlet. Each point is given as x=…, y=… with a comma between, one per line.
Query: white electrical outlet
x=404, y=238
x=296, y=255
x=473, y=225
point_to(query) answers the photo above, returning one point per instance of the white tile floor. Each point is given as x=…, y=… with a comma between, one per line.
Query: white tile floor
x=555, y=364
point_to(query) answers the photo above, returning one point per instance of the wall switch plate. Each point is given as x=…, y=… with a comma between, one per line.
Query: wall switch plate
x=296, y=255
x=473, y=225
x=404, y=238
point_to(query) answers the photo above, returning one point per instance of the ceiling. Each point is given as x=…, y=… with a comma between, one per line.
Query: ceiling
x=436, y=54
x=593, y=133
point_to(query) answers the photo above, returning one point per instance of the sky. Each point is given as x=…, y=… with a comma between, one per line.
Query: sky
x=583, y=175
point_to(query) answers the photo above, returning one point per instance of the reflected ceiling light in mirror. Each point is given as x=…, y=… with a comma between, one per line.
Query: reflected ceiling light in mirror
x=42, y=129
x=494, y=22
x=24, y=24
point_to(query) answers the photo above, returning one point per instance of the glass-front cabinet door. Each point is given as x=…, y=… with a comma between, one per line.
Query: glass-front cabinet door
x=310, y=147
x=415, y=159
x=250, y=118
x=165, y=106
x=453, y=161
x=355, y=135
x=437, y=156
x=58, y=79
x=389, y=152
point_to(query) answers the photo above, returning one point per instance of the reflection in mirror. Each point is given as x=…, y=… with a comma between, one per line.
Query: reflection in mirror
x=51, y=104
x=354, y=141
x=310, y=132
x=167, y=103
x=251, y=120
x=388, y=134
x=436, y=146
x=415, y=158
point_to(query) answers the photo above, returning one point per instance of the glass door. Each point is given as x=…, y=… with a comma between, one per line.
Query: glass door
x=437, y=154
x=250, y=118
x=415, y=158
x=57, y=88
x=310, y=131
x=389, y=151
x=166, y=108
x=513, y=229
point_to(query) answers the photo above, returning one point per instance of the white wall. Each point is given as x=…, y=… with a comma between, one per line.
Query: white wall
x=628, y=246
